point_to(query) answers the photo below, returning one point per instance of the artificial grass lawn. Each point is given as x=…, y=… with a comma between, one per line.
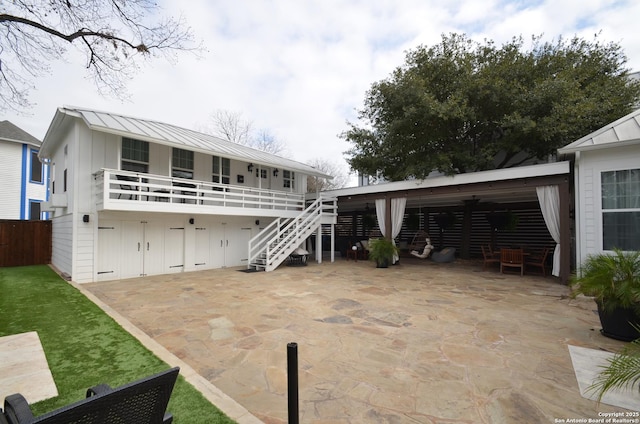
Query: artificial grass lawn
x=84, y=346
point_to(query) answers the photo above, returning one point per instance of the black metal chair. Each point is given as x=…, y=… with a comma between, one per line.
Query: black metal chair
x=128, y=187
x=140, y=402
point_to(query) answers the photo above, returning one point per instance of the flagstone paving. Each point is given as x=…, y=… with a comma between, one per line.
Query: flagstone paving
x=419, y=342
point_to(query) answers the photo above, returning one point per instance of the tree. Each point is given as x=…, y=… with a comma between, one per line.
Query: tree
x=462, y=106
x=112, y=34
x=232, y=126
x=340, y=178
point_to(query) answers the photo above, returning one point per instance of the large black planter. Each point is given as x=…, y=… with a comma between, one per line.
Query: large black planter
x=617, y=323
x=382, y=263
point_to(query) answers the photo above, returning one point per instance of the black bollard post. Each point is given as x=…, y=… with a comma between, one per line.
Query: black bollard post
x=292, y=380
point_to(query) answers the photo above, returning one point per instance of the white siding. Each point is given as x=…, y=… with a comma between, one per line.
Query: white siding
x=62, y=241
x=590, y=165
x=83, y=252
x=10, y=179
x=174, y=236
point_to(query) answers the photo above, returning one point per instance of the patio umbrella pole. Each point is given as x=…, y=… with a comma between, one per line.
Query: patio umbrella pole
x=292, y=382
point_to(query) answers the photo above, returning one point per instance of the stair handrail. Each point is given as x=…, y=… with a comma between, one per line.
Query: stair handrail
x=271, y=240
x=259, y=241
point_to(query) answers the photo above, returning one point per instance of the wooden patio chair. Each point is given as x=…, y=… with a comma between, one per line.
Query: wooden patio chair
x=141, y=402
x=538, y=260
x=489, y=257
x=511, y=258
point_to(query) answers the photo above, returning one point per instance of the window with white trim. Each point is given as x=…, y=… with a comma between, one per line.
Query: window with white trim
x=288, y=179
x=261, y=173
x=221, y=170
x=135, y=155
x=621, y=209
x=182, y=164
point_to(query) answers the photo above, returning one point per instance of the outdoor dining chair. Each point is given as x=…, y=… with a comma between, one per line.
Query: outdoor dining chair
x=538, y=260
x=489, y=257
x=511, y=258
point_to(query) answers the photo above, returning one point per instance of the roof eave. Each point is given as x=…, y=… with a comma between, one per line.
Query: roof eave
x=592, y=147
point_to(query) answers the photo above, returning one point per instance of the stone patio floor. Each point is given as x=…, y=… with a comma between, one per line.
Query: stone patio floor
x=419, y=342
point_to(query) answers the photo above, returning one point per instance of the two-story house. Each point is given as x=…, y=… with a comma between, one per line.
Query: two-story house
x=23, y=178
x=133, y=197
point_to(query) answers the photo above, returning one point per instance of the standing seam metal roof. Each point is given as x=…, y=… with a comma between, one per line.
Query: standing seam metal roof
x=625, y=130
x=175, y=136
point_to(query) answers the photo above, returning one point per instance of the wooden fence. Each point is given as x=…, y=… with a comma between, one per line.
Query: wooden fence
x=25, y=243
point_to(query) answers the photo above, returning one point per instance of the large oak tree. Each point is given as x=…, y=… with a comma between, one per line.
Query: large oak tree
x=112, y=35
x=463, y=106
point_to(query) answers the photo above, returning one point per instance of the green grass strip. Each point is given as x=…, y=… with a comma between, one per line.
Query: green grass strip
x=84, y=346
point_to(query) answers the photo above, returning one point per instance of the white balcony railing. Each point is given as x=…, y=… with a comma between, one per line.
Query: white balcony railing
x=117, y=189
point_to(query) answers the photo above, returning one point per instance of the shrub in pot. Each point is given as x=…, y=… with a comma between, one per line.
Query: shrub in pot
x=382, y=251
x=613, y=280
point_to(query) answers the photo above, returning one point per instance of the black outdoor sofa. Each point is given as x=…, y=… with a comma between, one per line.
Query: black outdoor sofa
x=140, y=402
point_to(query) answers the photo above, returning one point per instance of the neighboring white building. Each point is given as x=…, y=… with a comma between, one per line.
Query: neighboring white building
x=23, y=178
x=135, y=197
x=607, y=187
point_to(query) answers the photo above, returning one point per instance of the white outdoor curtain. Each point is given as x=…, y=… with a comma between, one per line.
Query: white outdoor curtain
x=380, y=213
x=397, y=215
x=549, y=198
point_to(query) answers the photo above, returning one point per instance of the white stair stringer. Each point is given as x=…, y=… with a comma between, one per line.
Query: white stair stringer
x=269, y=248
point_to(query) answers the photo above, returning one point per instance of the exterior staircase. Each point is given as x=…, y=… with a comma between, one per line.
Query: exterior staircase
x=269, y=248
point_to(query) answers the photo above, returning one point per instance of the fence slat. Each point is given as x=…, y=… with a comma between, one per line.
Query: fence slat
x=25, y=243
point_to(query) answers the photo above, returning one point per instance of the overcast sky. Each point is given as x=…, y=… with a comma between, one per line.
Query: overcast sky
x=301, y=68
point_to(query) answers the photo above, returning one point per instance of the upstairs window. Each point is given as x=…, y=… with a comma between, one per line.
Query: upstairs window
x=34, y=210
x=182, y=164
x=288, y=179
x=36, y=168
x=135, y=155
x=621, y=209
x=261, y=173
x=221, y=170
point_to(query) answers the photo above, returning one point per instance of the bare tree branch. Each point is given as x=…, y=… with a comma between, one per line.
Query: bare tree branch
x=112, y=35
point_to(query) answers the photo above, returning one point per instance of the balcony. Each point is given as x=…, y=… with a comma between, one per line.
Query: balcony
x=117, y=190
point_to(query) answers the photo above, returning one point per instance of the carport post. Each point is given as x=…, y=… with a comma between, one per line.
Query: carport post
x=292, y=382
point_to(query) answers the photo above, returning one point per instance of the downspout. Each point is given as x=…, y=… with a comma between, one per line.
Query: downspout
x=47, y=163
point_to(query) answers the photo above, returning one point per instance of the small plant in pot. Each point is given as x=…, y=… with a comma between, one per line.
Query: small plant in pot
x=382, y=251
x=613, y=280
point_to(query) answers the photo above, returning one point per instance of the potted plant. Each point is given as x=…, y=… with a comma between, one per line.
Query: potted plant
x=382, y=251
x=614, y=282
x=503, y=221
